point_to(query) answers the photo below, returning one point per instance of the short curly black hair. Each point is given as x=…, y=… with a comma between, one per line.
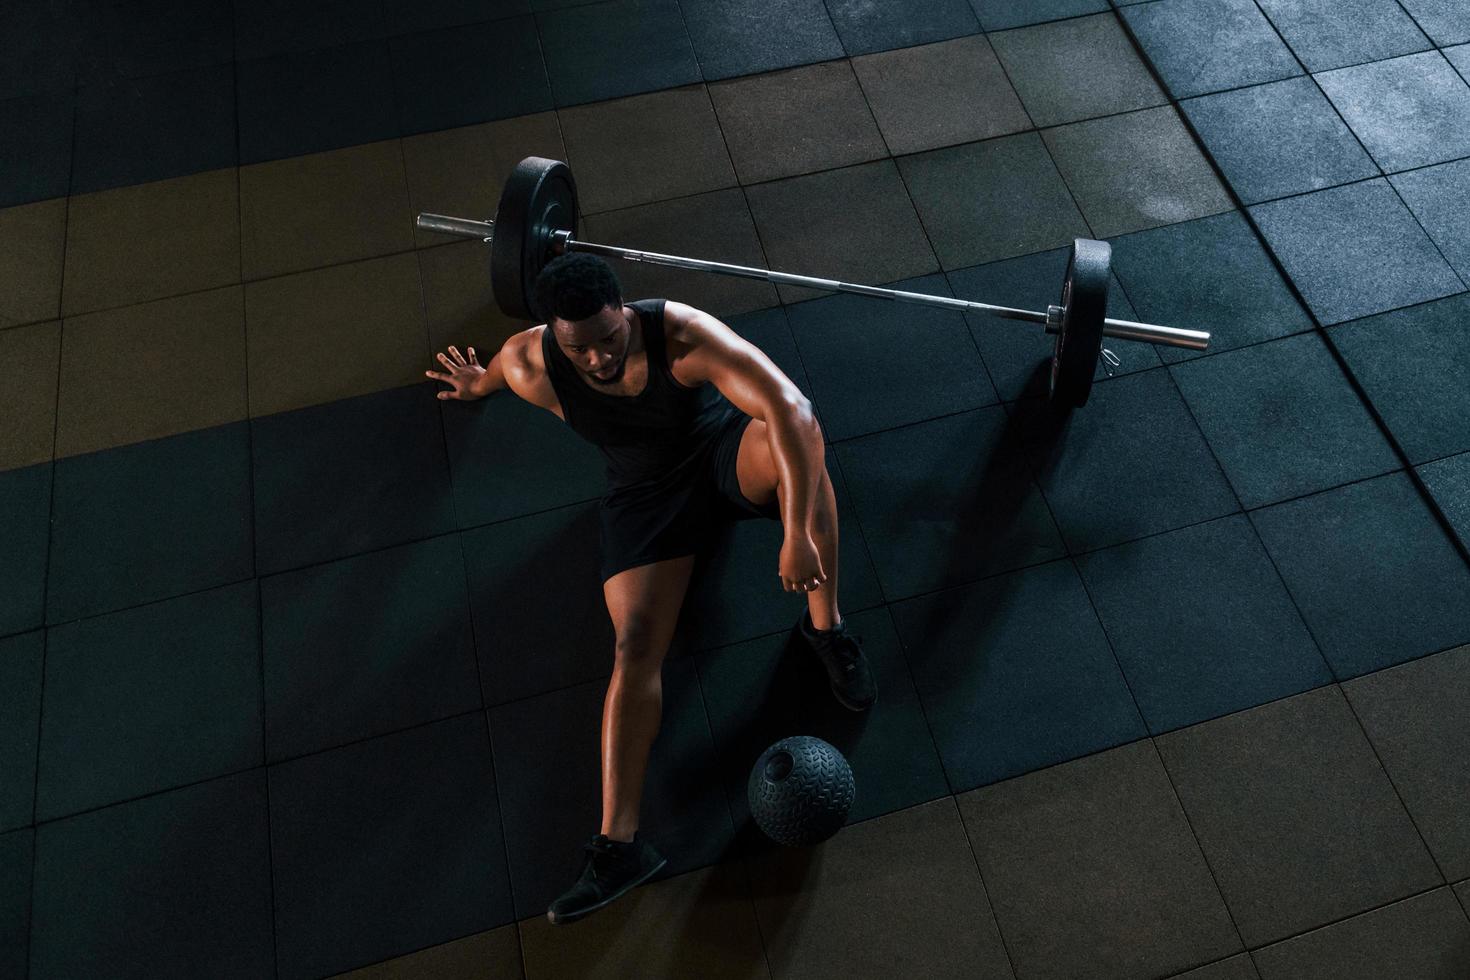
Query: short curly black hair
x=575, y=286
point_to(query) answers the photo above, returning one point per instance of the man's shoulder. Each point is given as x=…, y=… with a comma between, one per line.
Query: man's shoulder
x=524, y=351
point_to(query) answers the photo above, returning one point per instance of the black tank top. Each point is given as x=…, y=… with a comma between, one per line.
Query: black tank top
x=649, y=437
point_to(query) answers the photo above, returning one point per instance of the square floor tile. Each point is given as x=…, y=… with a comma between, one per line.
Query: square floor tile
x=141, y=40
x=29, y=375
x=645, y=148
x=32, y=240
x=1076, y=69
x=866, y=27
x=1460, y=58
x=926, y=494
x=1200, y=46
x=587, y=50
x=269, y=27
x=413, y=815
x=796, y=121
x=17, y=855
x=992, y=200
x=180, y=881
x=25, y=516
x=1445, y=21
x=36, y=147
x=1356, y=250
x=1120, y=190
x=37, y=48
x=1279, y=139
x=1414, y=366
x=1440, y=199
x=20, y=672
x=1448, y=481
x=939, y=94
x=151, y=521
x=1234, y=968
x=1333, y=33
x=997, y=15
x=745, y=37
x=1015, y=674
x=460, y=306
x=1282, y=420
x=1096, y=849
x=413, y=16
x=1424, y=936
x=1295, y=815
x=1237, y=640
x=1409, y=112
x=469, y=74
x=1131, y=463
x=126, y=718
x=1370, y=569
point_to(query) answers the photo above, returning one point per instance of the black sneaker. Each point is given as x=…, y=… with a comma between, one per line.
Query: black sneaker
x=613, y=869
x=842, y=654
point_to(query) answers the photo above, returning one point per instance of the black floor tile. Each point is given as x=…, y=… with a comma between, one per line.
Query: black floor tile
x=149, y=521
x=1129, y=464
x=745, y=37
x=1372, y=572
x=35, y=147
x=412, y=16
x=1078, y=856
x=1333, y=33
x=1282, y=420
x=1200, y=46
x=1013, y=349
x=1280, y=139
x=37, y=48
x=1299, y=823
x=1201, y=623
x=294, y=104
x=547, y=764
x=947, y=501
x=1356, y=250
x=998, y=15
x=20, y=699
x=175, y=885
x=269, y=27
x=25, y=512
x=1445, y=21
x=367, y=646
x=622, y=47
x=1015, y=674
x=1238, y=967
x=1376, y=99
x=464, y=75
x=1440, y=199
x=1211, y=274
x=134, y=131
x=338, y=479
x=1448, y=481
x=1413, y=365
x=865, y=26
x=413, y=818
x=16, y=858
x=1425, y=936
x=876, y=365
x=138, y=40
x=992, y=200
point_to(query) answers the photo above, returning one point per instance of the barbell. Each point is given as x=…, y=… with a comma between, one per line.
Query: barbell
x=536, y=221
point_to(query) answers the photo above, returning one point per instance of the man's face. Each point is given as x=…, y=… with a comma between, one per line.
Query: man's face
x=598, y=345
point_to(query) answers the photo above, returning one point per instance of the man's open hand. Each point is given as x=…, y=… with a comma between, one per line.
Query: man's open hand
x=801, y=566
x=462, y=375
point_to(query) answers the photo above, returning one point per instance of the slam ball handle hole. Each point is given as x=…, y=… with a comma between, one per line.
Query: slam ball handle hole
x=778, y=766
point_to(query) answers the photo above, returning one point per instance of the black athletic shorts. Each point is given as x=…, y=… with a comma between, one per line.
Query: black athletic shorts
x=678, y=515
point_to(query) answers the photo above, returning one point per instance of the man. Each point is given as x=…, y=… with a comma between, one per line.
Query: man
x=697, y=426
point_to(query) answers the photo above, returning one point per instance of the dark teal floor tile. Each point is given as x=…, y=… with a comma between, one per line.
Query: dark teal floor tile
x=1015, y=674
x=1460, y=57
x=1414, y=366
x=947, y=501
x=174, y=885
x=270, y=27
x=1279, y=139
x=25, y=513
x=35, y=147
x=1201, y=623
x=745, y=37
x=1200, y=46
x=139, y=40
x=1014, y=349
x=1374, y=576
x=351, y=476
x=1376, y=99
x=866, y=27
x=1333, y=33
x=876, y=365
x=37, y=48
x=1448, y=481
x=547, y=765
x=150, y=521
x=623, y=47
x=133, y=131
x=20, y=722
x=1130, y=463
x=299, y=103
x=412, y=16
x=411, y=818
x=1440, y=199
x=366, y=646
x=998, y=15
x=465, y=75
x=17, y=852
x=150, y=699
x=1282, y=420
x=1445, y=21
x=1210, y=274
x=1354, y=251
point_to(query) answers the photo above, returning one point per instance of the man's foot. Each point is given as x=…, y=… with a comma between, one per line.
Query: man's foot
x=847, y=669
x=612, y=869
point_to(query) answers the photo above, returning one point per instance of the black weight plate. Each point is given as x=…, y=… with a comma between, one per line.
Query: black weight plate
x=539, y=199
x=1084, y=307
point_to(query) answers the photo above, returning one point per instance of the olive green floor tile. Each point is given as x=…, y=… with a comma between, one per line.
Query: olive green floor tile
x=31, y=238
x=459, y=302
x=28, y=360
x=491, y=955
